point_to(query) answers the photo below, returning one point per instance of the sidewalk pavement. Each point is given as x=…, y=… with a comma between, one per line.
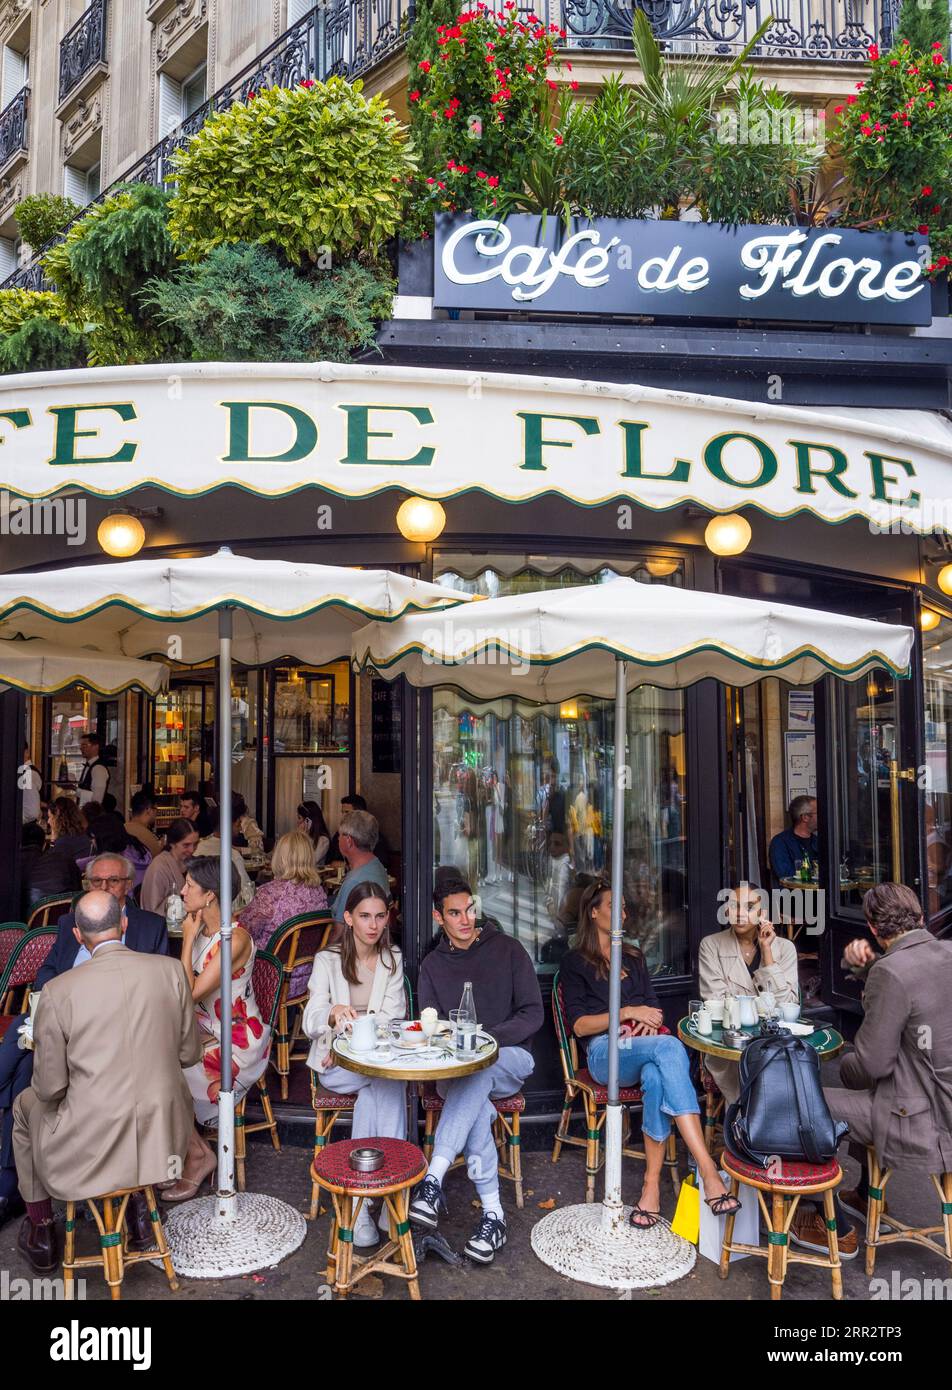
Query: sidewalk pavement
x=517, y=1274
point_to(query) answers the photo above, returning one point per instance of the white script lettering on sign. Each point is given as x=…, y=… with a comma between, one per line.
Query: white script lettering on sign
x=780, y=255
x=494, y=240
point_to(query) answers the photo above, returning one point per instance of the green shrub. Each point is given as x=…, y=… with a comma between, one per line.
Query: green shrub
x=109, y=254
x=102, y=265
x=301, y=169
x=923, y=23
x=241, y=304
x=42, y=216
x=42, y=345
x=17, y=307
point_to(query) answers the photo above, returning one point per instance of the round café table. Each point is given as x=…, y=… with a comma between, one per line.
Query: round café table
x=442, y=1063
x=827, y=1042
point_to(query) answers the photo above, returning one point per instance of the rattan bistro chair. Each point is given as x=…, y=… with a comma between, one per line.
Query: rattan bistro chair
x=48, y=911
x=294, y=943
x=882, y=1229
x=22, y=967
x=581, y=1085
x=328, y=1107
x=266, y=983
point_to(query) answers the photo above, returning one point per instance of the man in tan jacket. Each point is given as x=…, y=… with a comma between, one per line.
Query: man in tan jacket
x=898, y=1095
x=109, y=1106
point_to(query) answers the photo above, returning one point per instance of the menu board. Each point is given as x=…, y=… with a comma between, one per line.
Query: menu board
x=385, y=725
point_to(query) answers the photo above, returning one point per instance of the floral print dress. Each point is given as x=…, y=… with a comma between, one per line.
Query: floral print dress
x=250, y=1035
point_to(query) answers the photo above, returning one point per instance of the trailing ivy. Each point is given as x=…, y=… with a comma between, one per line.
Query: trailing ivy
x=243, y=304
x=42, y=345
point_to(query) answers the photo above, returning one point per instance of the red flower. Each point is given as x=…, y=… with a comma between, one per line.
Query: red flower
x=425, y=65
x=252, y=94
x=559, y=140
x=308, y=82
x=550, y=83
x=923, y=227
x=481, y=174
x=850, y=101
x=241, y=1025
x=431, y=180
x=211, y=1063
x=866, y=116
x=937, y=43
x=930, y=103
x=574, y=86
x=866, y=129
x=414, y=96
x=894, y=62
x=494, y=181
x=937, y=58
x=529, y=67
x=873, y=53
x=913, y=71
x=837, y=110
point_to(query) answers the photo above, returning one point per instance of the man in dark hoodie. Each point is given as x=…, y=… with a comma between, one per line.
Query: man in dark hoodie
x=509, y=1006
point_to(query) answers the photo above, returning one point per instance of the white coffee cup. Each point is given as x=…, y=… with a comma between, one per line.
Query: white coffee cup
x=701, y=1022
x=715, y=1008
x=790, y=1012
x=362, y=1033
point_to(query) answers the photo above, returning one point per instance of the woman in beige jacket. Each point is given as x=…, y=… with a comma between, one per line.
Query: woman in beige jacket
x=748, y=956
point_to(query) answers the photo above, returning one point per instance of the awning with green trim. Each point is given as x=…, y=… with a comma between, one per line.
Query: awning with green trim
x=354, y=430
x=560, y=643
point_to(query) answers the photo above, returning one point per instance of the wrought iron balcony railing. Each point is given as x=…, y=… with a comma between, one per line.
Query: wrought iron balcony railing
x=82, y=48
x=13, y=133
x=350, y=37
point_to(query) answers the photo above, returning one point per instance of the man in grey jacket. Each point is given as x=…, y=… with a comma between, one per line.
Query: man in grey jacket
x=898, y=1095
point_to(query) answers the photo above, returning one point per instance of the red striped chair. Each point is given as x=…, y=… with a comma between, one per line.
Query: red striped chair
x=581, y=1085
x=22, y=968
x=266, y=983
x=10, y=934
x=505, y=1132
x=294, y=943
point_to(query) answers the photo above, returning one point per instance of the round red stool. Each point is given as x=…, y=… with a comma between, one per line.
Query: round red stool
x=403, y=1167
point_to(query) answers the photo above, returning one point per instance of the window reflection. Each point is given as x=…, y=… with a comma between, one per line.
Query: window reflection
x=523, y=792
x=937, y=663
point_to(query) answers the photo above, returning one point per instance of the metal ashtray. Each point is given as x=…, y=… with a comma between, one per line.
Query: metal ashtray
x=733, y=1037
x=366, y=1160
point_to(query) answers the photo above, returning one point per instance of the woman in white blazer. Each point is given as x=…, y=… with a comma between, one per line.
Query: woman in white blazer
x=748, y=956
x=362, y=973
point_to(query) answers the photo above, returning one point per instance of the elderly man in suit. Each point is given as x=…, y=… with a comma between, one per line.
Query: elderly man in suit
x=898, y=1096
x=143, y=931
x=87, y=1126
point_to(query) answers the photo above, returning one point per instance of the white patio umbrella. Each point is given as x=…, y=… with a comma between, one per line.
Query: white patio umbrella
x=37, y=667
x=222, y=605
x=604, y=640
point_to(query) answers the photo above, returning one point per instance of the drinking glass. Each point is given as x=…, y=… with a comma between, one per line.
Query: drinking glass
x=694, y=1007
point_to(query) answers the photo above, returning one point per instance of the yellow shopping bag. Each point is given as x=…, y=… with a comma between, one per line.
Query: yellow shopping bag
x=687, y=1216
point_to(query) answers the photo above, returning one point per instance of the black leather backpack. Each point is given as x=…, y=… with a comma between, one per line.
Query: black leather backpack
x=781, y=1112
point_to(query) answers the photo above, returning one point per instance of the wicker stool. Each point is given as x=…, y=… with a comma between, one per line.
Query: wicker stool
x=328, y=1106
x=505, y=1132
x=898, y=1230
x=786, y=1187
x=114, y=1253
x=403, y=1167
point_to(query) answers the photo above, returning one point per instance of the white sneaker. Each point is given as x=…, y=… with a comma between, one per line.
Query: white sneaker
x=488, y=1238
x=365, y=1230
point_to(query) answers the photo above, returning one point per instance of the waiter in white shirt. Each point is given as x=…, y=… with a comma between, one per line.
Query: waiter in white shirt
x=94, y=778
x=30, y=782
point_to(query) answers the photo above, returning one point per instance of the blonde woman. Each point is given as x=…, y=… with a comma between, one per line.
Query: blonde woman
x=295, y=889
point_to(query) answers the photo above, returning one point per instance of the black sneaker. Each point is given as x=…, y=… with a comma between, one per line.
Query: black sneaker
x=427, y=1204
x=489, y=1237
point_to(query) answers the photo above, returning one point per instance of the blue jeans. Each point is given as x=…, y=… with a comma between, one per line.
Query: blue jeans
x=659, y=1065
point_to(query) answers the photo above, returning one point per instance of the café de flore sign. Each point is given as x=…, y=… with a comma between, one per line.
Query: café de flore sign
x=353, y=430
x=697, y=270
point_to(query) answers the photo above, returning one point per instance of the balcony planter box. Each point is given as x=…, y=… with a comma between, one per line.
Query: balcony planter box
x=415, y=268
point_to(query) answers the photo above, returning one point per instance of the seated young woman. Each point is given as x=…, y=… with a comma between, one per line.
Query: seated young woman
x=656, y=1062
x=746, y=957
x=362, y=973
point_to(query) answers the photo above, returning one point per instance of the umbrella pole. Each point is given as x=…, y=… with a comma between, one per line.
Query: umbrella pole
x=612, y=1210
x=226, y=1203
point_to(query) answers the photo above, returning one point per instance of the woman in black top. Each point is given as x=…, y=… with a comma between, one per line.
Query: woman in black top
x=656, y=1062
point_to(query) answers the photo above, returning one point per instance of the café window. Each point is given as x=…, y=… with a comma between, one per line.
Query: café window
x=311, y=720
x=523, y=792
x=937, y=680
x=865, y=740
